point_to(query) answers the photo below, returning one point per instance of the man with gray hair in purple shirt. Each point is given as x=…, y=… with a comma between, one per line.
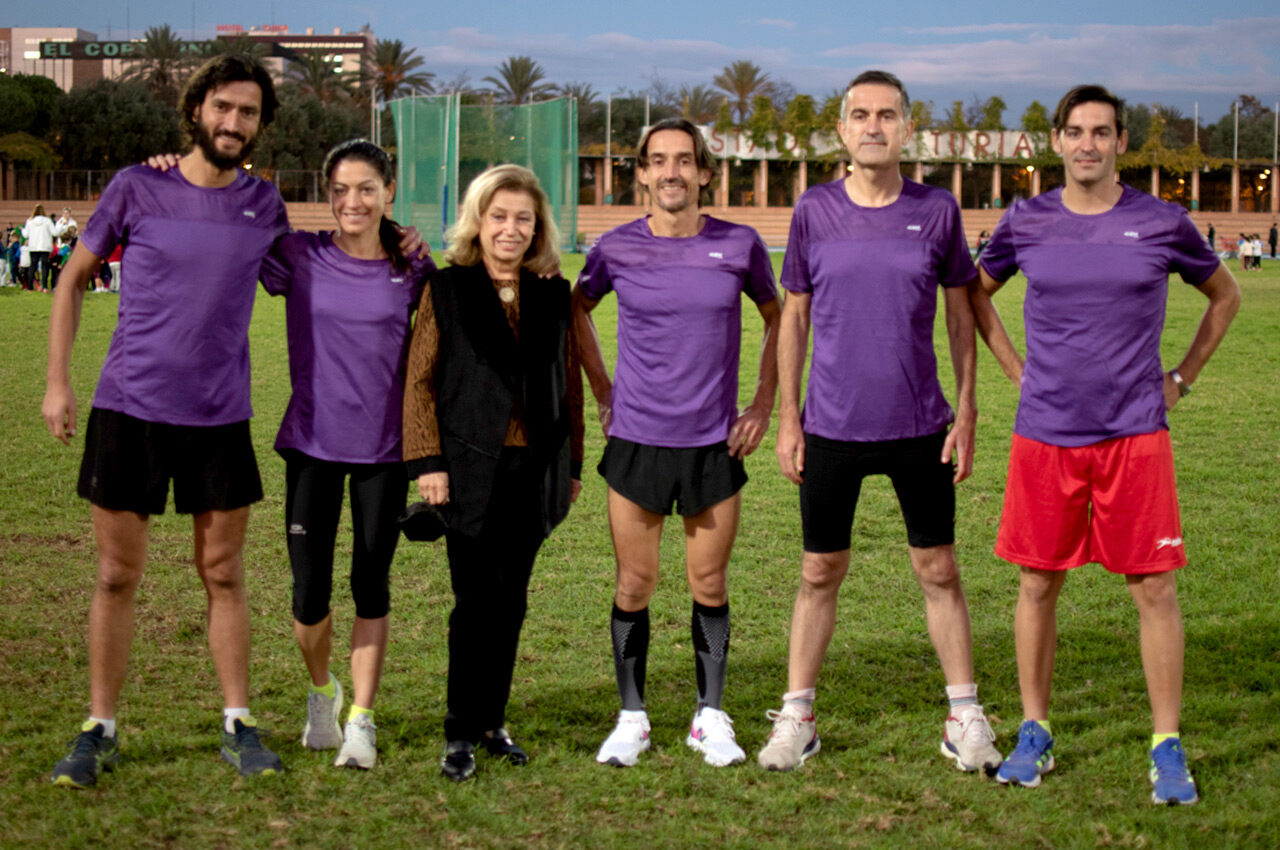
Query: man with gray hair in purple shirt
x=865, y=259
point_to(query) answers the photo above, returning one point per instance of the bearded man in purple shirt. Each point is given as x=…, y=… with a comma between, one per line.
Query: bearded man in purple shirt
x=676, y=437
x=172, y=401
x=865, y=258
x=1091, y=475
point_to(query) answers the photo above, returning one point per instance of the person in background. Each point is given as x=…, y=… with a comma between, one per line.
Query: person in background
x=39, y=233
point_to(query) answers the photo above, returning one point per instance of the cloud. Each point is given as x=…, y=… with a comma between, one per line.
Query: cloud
x=1226, y=57
x=1172, y=64
x=780, y=23
x=607, y=60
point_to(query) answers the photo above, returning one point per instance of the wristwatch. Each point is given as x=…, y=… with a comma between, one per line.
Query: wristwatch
x=1184, y=389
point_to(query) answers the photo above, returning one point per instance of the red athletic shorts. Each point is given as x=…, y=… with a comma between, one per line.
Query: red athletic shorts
x=1114, y=503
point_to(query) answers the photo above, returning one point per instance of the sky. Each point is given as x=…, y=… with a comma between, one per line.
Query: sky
x=1175, y=52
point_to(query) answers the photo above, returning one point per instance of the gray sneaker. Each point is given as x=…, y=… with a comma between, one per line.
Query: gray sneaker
x=322, y=731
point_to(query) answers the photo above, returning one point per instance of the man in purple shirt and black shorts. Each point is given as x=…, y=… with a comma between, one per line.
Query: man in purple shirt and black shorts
x=675, y=434
x=172, y=401
x=864, y=262
x=1091, y=473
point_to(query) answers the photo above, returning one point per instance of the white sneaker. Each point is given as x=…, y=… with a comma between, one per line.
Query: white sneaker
x=711, y=733
x=969, y=740
x=627, y=741
x=359, y=744
x=793, y=740
x=322, y=731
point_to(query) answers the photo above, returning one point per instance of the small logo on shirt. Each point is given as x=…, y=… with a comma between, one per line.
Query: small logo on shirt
x=1132, y=234
x=1168, y=541
x=250, y=214
x=397, y=280
x=716, y=254
x=914, y=227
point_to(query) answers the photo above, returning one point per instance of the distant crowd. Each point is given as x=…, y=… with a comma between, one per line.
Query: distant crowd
x=32, y=254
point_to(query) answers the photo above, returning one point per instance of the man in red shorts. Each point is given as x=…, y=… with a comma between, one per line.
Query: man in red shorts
x=1091, y=466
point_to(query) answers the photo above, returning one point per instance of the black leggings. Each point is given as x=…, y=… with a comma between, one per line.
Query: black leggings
x=40, y=268
x=313, y=504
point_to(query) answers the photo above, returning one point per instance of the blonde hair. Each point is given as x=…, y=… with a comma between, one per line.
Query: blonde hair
x=463, y=238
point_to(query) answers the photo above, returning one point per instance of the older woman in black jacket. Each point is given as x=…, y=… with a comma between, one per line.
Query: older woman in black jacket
x=493, y=433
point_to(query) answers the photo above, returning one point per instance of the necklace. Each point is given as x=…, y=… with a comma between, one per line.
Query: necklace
x=507, y=290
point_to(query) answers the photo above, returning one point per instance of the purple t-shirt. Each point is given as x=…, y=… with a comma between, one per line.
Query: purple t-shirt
x=348, y=325
x=873, y=275
x=180, y=352
x=1094, y=310
x=679, y=326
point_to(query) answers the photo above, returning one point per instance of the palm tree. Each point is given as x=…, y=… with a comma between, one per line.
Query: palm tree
x=743, y=81
x=314, y=74
x=161, y=64
x=394, y=72
x=239, y=45
x=519, y=80
x=699, y=104
x=584, y=93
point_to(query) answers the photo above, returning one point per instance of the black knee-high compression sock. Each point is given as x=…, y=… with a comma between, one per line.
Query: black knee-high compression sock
x=630, y=631
x=711, y=651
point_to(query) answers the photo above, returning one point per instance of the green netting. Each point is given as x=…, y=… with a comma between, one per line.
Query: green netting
x=427, y=169
x=442, y=145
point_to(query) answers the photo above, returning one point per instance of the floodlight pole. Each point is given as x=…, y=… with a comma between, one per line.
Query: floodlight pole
x=608, y=146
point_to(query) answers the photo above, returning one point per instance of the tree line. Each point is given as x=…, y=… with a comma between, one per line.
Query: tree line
x=112, y=123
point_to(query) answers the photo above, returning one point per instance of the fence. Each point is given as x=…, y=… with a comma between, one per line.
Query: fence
x=442, y=145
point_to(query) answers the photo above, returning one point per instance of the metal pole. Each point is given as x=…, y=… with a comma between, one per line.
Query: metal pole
x=1275, y=140
x=1235, y=145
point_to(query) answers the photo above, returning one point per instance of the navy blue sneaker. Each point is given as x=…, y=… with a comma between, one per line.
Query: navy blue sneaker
x=1171, y=782
x=244, y=749
x=1032, y=758
x=91, y=754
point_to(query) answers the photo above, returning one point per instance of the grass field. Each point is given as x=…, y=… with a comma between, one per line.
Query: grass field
x=879, y=781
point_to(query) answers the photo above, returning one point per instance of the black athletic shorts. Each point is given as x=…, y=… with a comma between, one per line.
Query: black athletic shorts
x=655, y=477
x=833, y=473
x=128, y=463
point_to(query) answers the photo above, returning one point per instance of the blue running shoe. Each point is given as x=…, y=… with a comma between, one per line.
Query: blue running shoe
x=1171, y=782
x=1032, y=758
x=91, y=754
x=244, y=749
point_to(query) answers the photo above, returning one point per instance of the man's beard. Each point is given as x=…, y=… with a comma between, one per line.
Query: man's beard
x=223, y=162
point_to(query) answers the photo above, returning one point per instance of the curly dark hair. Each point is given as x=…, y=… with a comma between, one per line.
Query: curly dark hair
x=218, y=72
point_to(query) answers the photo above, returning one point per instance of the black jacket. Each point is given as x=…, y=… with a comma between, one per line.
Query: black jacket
x=482, y=373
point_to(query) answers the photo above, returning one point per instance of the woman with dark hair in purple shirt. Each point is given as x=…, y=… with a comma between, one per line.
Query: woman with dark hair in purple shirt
x=350, y=295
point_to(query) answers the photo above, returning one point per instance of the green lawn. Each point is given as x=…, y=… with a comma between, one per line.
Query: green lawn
x=879, y=780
